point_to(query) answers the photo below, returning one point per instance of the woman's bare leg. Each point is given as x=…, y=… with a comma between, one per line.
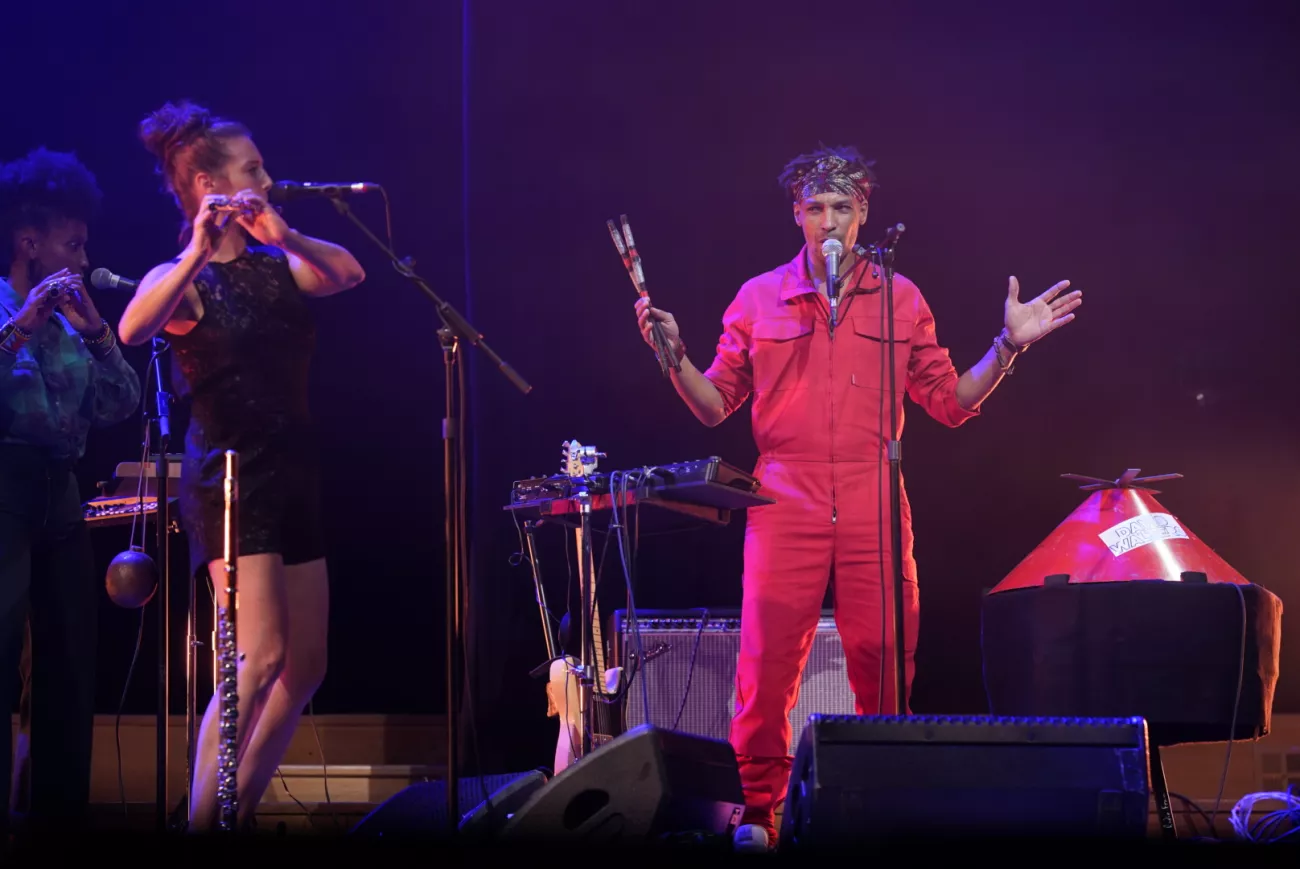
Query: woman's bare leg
x=262, y=633
x=307, y=592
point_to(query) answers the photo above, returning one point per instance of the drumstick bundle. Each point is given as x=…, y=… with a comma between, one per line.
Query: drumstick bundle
x=632, y=262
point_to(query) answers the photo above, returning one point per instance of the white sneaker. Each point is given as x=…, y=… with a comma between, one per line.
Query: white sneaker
x=750, y=839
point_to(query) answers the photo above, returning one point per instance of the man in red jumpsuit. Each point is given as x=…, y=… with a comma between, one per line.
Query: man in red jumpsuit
x=821, y=423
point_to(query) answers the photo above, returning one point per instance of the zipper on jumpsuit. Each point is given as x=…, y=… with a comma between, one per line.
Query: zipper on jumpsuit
x=830, y=343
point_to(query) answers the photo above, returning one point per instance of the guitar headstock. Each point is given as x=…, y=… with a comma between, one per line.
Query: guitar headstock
x=579, y=461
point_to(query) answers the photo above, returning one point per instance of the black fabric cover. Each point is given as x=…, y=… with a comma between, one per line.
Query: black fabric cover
x=1169, y=652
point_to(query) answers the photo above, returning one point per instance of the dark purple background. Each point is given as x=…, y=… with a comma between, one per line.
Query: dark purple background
x=1146, y=152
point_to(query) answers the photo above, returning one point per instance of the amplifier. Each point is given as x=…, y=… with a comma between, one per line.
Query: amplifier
x=704, y=695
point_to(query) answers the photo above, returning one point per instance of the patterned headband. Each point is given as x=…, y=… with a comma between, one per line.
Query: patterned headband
x=831, y=174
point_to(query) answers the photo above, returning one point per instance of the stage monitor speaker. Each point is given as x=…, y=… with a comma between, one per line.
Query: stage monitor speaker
x=645, y=785
x=421, y=809
x=693, y=673
x=861, y=779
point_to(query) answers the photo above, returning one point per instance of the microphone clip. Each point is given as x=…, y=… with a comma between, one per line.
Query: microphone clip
x=884, y=250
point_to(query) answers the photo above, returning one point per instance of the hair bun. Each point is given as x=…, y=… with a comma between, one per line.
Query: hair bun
x=173, y=126
x=187, y=140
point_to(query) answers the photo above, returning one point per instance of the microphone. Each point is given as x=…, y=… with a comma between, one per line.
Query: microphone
x=162, y=400
x=883, y=250
x=832, y=250
x=103, y=279
x=892, y=235
x=286, y=191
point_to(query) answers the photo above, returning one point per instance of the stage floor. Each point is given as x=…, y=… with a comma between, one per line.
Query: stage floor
x=371, y=758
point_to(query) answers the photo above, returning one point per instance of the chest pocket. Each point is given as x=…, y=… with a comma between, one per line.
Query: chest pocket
x=870, y=364
x=781, y=353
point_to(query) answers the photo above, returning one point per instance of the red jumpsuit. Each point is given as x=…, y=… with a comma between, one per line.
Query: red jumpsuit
x=821, y=422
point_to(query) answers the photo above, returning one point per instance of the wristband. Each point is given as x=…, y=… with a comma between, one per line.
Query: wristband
x=20, y=331
x=13, y=337
x=103, y=342
x=677, y=349
x=1006, y=341
x=101, y=336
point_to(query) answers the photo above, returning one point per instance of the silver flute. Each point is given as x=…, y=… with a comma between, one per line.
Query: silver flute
x=228, y=658
x=240, y=207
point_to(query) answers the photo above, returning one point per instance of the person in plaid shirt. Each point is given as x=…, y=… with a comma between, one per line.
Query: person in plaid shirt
x=61, y=374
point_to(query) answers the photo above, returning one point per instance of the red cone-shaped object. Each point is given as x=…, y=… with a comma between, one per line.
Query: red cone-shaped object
x=1120, y=534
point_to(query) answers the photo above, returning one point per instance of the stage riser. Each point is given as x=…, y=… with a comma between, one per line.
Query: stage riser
x=377, y=755
x=372, y=757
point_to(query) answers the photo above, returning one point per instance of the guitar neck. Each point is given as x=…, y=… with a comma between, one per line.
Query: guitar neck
x=579, y=466
x=597, y=641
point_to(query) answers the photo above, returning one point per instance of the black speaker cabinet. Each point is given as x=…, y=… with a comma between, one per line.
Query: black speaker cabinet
x=421, y=809
x=864, y=779
x=645, y=785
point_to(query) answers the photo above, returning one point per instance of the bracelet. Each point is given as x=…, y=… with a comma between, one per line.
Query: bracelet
x=100, y=337
x=102, y=344
x=13, y=337
x=677, y=349
x=1006, y=341
x=998, y=343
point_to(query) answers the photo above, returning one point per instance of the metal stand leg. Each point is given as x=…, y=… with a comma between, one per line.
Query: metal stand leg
x=162, y=758
x=1169, y=830
x=587, y=594
x=552, y=649
x=191, y=687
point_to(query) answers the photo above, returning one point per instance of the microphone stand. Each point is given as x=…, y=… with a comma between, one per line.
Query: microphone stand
x=162, y=417
x=883, y=254
x=456, y=329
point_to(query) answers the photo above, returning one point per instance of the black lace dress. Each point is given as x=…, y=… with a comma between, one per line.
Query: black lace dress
x=244, y=372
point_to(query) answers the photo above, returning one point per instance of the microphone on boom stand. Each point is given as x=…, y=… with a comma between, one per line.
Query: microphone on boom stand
x=103, y=279
x=832, y=250
x=892, y=235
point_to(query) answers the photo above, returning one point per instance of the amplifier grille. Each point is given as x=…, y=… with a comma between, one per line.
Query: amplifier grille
x=710, y=701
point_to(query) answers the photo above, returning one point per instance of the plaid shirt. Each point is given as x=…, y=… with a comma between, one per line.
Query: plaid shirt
x=54, y=390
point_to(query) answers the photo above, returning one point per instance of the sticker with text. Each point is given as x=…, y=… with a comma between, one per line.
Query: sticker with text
x=1141, y=530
